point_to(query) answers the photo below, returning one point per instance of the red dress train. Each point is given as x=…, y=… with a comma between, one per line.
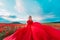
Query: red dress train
x=35, y=31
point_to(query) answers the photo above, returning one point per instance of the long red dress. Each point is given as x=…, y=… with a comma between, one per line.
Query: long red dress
x=35, y=31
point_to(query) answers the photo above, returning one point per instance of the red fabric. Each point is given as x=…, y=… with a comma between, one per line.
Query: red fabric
x=35, y=31
x=29, y=22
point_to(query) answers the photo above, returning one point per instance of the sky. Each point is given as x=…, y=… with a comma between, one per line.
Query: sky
x=19, y=10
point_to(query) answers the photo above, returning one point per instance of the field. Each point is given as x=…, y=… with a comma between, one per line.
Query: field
x=55, y=25
x=8, y=29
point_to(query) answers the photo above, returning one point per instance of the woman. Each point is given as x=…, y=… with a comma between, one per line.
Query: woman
x=30, y=21
x=22, y=32
x=35, y=31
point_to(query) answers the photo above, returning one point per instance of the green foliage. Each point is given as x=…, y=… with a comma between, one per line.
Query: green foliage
x=2, y=35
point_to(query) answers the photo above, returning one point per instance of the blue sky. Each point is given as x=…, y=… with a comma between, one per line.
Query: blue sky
x=19, y=10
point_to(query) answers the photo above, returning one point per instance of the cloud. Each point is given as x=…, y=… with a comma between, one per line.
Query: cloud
x=42, y=18
x=31, y=8
x=1, y=4
x=37, y=18
x=4, y=12
x=19, y=7
x=35, y=8
x=26, y=8
x=50, y=15
x=12, y=16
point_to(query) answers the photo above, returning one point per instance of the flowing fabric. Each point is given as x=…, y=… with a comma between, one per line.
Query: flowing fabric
x=35, y=31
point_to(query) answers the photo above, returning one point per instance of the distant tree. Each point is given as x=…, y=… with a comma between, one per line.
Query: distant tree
x=16, y=23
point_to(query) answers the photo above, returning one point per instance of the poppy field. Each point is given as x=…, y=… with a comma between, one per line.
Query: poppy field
x=8, y=29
